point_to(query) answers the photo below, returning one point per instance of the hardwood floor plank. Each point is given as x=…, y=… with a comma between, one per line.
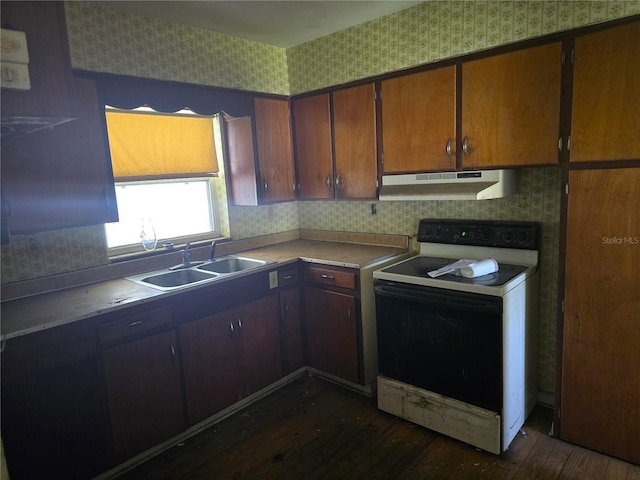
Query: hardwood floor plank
x=312, y=429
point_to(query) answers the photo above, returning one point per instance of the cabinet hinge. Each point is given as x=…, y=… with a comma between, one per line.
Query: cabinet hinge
x=560, y=144
x=377, y=183
x=563, y=57
x=563, y=305
x=566, y=189
x=382, y=158
x=569, y=143
x=573, y=56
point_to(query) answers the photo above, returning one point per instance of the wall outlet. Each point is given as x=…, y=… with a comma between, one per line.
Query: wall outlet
x=273, y=279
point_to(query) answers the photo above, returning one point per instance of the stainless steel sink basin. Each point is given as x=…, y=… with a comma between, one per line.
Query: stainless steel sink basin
x=170, y=280
x=233, y=264
x=167, y=279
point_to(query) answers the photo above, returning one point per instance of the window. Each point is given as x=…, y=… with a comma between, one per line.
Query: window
x=164, y=166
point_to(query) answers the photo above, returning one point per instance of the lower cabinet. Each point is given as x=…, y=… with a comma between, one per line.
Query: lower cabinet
x=54, y=413
x=230, y=355
x=144, y=390
x=292, y=339
x=332, y=315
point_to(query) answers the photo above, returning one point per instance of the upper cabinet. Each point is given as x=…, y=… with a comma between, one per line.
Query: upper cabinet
x=262, y=172
x=312, y=123
x=58, y=176
x=511, y=108
x=347, y=167
x=419, y=121
x=354, y=124
x=606, y=97
x=275, y=152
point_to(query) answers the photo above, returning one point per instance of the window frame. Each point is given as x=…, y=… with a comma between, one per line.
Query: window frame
x=168, y=243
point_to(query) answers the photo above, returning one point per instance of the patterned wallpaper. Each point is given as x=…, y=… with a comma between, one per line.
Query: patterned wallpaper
x=105, y=40
x=435, y=30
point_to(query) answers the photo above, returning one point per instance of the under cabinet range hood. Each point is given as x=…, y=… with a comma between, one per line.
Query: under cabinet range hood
x=467, y=185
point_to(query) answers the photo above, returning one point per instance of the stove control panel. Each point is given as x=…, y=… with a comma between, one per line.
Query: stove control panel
x=485, y=233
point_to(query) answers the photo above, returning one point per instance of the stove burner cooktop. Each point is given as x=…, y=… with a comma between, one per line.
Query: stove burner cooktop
x=420, y=265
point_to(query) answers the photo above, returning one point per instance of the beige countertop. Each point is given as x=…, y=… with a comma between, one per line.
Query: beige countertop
x=27, y=315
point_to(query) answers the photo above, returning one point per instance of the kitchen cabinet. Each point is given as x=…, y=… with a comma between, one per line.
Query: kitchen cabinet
x=230, y=355
x=511, y=108
x=354, y=125
x=144, y=389
x=332, y=320
x=54, y=410
x=606, y=98
x=275, y=150
x=59, y=176
x=313, y=148
x=598, y=398
x=291, y=320
x=345, y=168
x=260, y=171
x=419, y=121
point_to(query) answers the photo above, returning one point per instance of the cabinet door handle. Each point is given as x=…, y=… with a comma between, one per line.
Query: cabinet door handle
x=266, y=185
x=239, y=325
x=329, y=181
x=349, y=314
x=465, y=146
x=339, y=182
x=448, y=148
x=328, y=277
x=231, y=329
x=286, y=307
x=173, y=353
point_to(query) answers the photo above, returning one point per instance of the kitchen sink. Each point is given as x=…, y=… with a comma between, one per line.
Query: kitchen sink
x=168, y=279
x=178, y=278
x=232, y=264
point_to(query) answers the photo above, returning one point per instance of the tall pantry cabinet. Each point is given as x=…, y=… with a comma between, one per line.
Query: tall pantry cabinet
x=598, y=405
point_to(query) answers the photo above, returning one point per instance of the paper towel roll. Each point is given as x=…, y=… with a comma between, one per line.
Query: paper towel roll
x=479, y=268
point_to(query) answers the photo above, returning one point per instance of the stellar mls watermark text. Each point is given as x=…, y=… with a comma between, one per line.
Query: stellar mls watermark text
x=620, y=240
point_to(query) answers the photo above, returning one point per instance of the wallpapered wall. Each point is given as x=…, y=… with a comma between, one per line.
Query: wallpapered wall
x=106, y=40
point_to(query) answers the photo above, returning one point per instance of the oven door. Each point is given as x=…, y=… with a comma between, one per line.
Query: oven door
x=444, y=341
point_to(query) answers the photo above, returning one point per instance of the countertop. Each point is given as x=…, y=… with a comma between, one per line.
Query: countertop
x=27, y=315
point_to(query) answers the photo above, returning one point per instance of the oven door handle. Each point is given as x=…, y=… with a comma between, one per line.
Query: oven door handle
x=455, y=300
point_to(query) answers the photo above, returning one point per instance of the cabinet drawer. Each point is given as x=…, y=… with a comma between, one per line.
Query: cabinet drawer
x=331, y=276
x=133, y=324
x=288, y=277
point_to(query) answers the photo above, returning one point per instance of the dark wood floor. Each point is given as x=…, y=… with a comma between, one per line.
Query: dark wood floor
x=315, y=430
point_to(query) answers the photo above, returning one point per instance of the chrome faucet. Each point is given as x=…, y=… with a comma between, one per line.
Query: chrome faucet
x=186, y=259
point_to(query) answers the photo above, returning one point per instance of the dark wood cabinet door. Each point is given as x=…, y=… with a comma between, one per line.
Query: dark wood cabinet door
x=419, y=121
x=259, y=337
x=332, y=334
x=275, y=151
x=314, y=159
x=144, y=391
x=54, y=419
x=291, y=317
x=241, y=160
x=511, y=108
x=600, y=393
x=210, y=358
x=606, y=97
x=354, y=124
x=56, y=177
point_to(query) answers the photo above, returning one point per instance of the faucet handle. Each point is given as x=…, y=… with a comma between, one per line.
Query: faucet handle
x=212, y=252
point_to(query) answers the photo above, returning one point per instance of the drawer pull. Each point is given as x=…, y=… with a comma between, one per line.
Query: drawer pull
x=136, y=323
x=288, y=277
x=328, y=277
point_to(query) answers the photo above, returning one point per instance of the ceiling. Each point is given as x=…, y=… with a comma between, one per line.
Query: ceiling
x=280, y=23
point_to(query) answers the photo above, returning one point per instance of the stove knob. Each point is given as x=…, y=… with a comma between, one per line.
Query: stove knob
x=523, y=237
x=439, y=232
x=509, y=236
